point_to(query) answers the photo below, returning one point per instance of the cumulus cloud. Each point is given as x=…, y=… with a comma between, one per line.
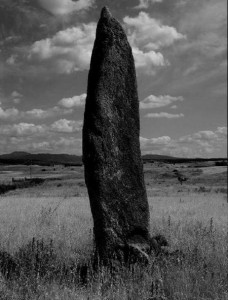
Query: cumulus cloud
x=71, y=141
x=68, y=50
x=22, y=129
x=10, y=113
x=146, y=3
x=158, y=101
x=146, y=36
x=206, y=143
x=207, y=136
x=146, y=61
x=30, y=137
x=69, y=145
x=67, y=126
x=16, y=94
x=152, y=141
x=149, y=33
x=61, y=7
x=164, y=115
x=154, y=145
x=34, y=144
x=40, y=146
x=11, y=60
x=30, y=129
x=222, y=131
x=16, y=97
x=38, y=113
x=73, y=102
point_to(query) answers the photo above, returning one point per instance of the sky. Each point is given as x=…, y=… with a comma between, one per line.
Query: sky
x=180, y=52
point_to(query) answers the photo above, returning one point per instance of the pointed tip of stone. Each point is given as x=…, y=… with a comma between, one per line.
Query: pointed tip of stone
x=105, y=13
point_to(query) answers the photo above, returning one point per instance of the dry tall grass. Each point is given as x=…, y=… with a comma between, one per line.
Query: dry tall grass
x=62, y=226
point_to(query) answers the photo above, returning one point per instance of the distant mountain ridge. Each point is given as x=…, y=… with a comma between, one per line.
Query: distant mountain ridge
x=20, y=157
x=158, y=157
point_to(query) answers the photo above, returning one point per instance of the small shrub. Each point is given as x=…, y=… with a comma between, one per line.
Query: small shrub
x=203, y=189
x=221, y=163
x=221, y=190
x=7, y=187
x=20, y=184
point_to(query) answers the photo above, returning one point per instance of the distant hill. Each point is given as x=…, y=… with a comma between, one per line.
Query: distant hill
x=40, y=159
x=172, y=159
x=158, y=157
x=44, y=159
x=179, y=160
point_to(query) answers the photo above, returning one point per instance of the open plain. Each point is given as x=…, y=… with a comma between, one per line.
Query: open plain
x=46, y=229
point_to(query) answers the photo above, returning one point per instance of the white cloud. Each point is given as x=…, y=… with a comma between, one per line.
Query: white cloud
x=154, y=145
x=16, y=97
x=61, y=7
x=146, y=61
x=206, y=143
x=164, y=115
x=222, y=131
x=149, y=33
x=22, y=129
x=206, y=136
x=9, y=113
x=11, y=60
x=38, y=113
x=146, y=3
x=36, y=138
x=16, y=100
x=73, y=102
x=71, y=141
x=160, y=140
x=64, y=125
x=68, y=50
x=41, y=146
x=55, y=144
x=16, y=94
x=146, y=36
x=69, y=145
x=158, y=101
x=30, y=129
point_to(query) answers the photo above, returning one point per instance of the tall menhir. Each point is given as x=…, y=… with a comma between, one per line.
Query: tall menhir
x=111, y=149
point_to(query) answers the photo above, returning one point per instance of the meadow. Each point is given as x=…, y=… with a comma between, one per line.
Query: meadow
x=47, y=229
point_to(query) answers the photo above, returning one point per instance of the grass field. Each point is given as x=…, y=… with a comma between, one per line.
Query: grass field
x=192, y=216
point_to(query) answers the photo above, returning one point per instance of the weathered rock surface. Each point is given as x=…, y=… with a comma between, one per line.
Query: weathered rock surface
x=111, y=149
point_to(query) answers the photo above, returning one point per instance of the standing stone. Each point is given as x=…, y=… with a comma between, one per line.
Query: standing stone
x=111, y=149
